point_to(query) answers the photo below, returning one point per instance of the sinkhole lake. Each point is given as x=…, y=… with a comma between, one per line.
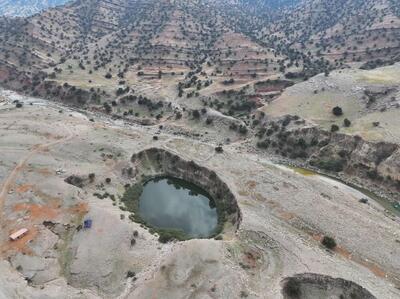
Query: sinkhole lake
x=171, y=203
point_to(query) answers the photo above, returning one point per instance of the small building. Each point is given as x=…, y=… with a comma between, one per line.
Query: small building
x=18, y=234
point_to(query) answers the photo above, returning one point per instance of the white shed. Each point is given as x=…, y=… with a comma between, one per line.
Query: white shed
x=18, y=234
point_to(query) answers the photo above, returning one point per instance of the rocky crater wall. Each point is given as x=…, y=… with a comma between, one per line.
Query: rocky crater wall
x=155, y=162
x=315, y=286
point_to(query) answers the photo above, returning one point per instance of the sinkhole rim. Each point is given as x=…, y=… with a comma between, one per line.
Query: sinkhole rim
x=165, y=234
x=156, y=162
x=292, y=286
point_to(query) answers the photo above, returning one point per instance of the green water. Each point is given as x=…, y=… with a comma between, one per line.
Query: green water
x=171, y=203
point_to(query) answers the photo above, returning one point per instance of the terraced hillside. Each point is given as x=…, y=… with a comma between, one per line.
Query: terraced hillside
x=340, y=32
x=192, y=48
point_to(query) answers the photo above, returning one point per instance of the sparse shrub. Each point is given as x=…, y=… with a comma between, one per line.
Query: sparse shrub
x=328, y=242
x=107, y=107
x=342, y=154
x=314, y=141
x=263, y=144
x=346, y=123
x=75, y=181
x=372, y=174
x=91, y=177
x=286, y=121
x=168, y=235
x=337, y=111
x=219, y=149
x=331, y=165
x=178, y=115
x=196, y=114
x=243, y=130
x=334, y=128
x=233, y=126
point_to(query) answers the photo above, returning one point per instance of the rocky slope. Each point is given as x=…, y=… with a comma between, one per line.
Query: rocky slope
x=373, y=164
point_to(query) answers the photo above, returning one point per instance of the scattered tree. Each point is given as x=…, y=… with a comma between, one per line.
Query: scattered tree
x=346, y=123
x=334, y=128
x=328, y=242
x=337, y=111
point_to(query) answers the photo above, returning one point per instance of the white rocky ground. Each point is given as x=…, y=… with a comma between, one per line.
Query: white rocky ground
x=284, y=215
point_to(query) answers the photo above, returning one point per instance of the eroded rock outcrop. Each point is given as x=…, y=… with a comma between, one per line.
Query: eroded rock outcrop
x=374, y=164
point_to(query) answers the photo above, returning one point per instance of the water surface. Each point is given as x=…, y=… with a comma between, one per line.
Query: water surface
x=171, y=203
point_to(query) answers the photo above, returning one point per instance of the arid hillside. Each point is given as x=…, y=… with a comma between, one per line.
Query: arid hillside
x=190, y=49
